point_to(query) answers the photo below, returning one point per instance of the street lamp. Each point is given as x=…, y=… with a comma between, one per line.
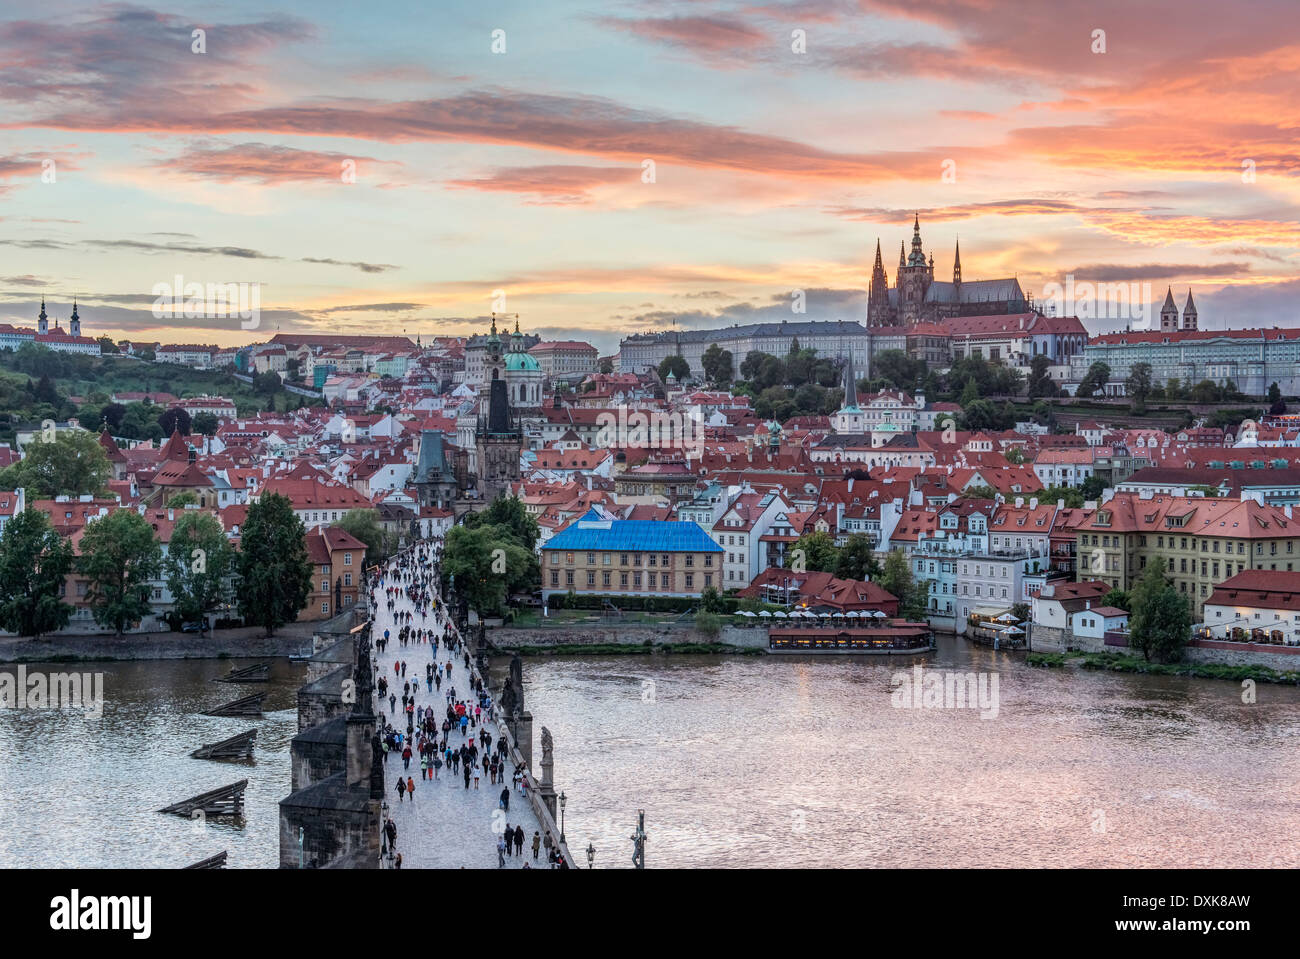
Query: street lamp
x=563, y=800
x=591, y=854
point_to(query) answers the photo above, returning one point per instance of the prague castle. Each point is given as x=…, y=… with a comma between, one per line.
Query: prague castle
x=916, y=297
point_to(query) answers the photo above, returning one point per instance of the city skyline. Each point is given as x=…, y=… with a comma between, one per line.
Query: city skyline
x=786, y=139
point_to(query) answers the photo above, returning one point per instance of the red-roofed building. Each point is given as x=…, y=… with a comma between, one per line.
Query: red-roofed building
x=337, y=560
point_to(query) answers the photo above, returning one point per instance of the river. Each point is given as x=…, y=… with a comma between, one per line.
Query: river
x=737, y=761
x=803, y=761
x=80, y=791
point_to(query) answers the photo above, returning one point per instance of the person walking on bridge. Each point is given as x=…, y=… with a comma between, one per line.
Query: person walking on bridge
x=401, y=789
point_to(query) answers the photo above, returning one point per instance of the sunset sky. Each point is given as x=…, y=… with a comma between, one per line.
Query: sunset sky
x=774, y=170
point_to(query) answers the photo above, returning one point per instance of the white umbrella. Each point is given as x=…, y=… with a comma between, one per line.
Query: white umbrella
x=837, y=615
x=1016, y=630
x=880, y=614
x=1005, y=618
x=765, y=614
x=747, y=612
x=779, y=615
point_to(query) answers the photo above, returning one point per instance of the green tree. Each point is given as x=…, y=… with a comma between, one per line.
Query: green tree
x=857, y=560
x=274, y=571
x=34, y=560
x=364, y=525
x=1138, y=385
x=268, y=384
x=1095, y=379
x=717, y=365
x=819, y=553
x=182, y=500
x=205, y=424
x=710, y=600
x=1276, y=405
x=1040, y=379
x=969, y=394
x=897, y=580
x=708, y=624
x=508, y=512
x=1092, y=488
x=979, y=491
x=488, y=564
x=198, y=566
x=71, y=464
x=606, y=365
x=120, y=557
x=1119, y=599
x=1161, y=620
x=111, y=415
x=898, y=369
x=1015, y=456
x=676, y=365
x=174, y=420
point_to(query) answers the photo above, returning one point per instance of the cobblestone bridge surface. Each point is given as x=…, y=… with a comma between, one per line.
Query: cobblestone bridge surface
x=445, y=826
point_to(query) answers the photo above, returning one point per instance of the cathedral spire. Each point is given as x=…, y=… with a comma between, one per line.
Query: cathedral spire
x=917, y=256
x=902, y=256
x=956, y=265
x=879, y=264
x=43, y=321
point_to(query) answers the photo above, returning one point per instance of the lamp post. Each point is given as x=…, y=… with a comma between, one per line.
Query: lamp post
x=563, y=800
x=591, y=854
x=638, y=840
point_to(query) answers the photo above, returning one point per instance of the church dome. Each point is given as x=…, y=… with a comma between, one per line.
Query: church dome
x=522, y=363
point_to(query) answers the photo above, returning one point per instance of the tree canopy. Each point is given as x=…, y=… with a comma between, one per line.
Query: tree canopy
x=71, y=464
x=34, y=560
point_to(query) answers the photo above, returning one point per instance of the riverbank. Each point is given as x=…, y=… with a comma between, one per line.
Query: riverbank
x=1120, y=663
x=645, y=648
x=241, y=643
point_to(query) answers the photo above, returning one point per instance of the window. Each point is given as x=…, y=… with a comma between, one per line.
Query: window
x=604, y=578
x=568, y=577
x=555, y=577
x=347, y=579
x=324, y=585
x=690, y=560
x=690, y=580
x=591, y=577
x=708, y=561
x=347, y=559
x=325, y=609
x=663, y=580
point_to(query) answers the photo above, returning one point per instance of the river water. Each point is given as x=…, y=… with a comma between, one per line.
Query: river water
x=80, y=791
x=803, y=761
x=737, y=761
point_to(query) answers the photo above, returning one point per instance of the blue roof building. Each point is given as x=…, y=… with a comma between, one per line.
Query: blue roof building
x=626, y=557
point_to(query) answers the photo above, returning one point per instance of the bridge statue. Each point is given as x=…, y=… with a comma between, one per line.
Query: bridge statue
x=546, y=789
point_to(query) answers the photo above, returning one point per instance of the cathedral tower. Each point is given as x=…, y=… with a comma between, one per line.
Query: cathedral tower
x=42, y=321
x=1189, y=312
x=914, y=279
x=1169, y=314
x=74, y=324
x=878, y=293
